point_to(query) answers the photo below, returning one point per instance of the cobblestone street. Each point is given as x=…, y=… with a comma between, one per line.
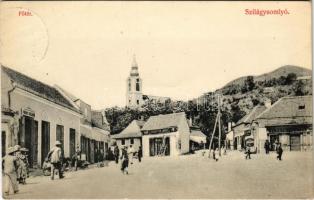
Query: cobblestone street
x=191, y=176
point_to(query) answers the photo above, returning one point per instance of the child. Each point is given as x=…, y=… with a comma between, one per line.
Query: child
x=9, y=165
x=248, y=153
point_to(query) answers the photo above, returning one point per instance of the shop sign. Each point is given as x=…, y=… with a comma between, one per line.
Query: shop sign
x=28, y=112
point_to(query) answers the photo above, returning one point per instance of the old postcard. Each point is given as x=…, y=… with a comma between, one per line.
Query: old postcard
x=156, y=100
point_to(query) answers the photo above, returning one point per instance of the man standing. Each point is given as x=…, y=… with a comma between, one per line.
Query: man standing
x=9, y=167
x=140, y=153
x=116, y=153
x=279, y=151
x=131, y=154
x=55, y=156
x=266, y=146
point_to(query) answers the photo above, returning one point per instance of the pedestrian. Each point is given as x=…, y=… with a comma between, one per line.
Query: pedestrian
x=131, y=154
x=55, y=156
x=140, y=153
x=22, y=165
x=9, y=168
x=215, y=154
x=248, y=153
x=266, y=146
x=124, y=161
x=24, y=152
x=77, y=157
x=279, y=151
x=116, y=153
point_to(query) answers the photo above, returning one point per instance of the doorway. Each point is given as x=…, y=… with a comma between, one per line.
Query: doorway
x=30, y=139
x=45, y=139
x=295, y=143
x=3, y=143
x=72, y=142
x=155, y=146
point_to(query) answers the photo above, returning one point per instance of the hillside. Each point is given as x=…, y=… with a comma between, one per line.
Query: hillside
x=281, y=71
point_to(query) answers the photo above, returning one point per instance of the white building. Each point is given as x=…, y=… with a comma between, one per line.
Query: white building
x=131, y=135
x=171, y=131
x=35, y=115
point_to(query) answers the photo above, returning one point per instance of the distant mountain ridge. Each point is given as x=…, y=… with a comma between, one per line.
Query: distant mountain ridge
x=281, y=71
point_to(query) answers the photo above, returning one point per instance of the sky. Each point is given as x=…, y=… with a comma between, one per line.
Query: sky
x=183, y=49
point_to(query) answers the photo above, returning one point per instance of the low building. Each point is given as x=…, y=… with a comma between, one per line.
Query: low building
x=197, y=139
x=35, y=115
x=166, y=135
x=131, y=135
x=236, y=137
x=288, y=121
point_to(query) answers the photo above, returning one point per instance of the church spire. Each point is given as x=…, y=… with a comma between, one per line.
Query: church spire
x=134, y=69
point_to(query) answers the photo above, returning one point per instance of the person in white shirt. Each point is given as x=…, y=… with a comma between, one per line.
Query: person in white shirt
x=55, y=156
x=131, y=153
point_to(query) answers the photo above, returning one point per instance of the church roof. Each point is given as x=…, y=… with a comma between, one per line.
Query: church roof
x=134, y=69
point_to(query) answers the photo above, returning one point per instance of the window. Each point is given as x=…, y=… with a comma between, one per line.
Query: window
x=132, y=141
x=137, y=86
x=129, y=86
x=301, y=107
x=123, y=142
x=138, y=102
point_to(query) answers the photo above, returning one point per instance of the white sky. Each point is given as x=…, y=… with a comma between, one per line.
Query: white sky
x=183, y=49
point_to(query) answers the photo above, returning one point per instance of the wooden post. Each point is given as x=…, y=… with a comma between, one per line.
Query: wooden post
x=211, y=139
x=219, y=126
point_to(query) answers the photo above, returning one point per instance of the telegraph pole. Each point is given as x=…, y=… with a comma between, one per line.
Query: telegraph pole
x=219, y=126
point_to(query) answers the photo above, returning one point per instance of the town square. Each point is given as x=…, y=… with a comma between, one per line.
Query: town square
x=156, y=100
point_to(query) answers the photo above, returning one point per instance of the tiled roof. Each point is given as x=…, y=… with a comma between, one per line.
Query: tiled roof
x=38, y=88
x=163, y=121
x=289, y=110
x=99, y=121
x=131, y=131
x=248, y=118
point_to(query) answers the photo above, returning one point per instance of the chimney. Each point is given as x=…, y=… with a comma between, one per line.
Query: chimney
x=267, y=103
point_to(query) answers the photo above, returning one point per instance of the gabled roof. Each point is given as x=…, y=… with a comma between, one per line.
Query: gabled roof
x=38, y=88
x=248, y=118
x=163, y=121
x=197, y=136
x=131, y=131
x=289, y=110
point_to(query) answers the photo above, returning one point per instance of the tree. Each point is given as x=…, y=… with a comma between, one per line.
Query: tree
x=249, y=84
x=291, y=77
x=300, y=89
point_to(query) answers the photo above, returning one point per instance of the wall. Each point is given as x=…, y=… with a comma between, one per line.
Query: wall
x=48, y=111
x=184, y=131
x=136, y=145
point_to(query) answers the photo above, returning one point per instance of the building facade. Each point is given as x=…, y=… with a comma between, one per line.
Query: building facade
x=288, y=121
x=94, y=129
x=167, y=135
x=131, y=135
x=35, y=115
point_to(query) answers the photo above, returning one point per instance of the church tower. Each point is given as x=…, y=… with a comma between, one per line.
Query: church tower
x=134, y=95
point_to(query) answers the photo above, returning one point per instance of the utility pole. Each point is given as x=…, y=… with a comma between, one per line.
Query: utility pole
x=219, y=126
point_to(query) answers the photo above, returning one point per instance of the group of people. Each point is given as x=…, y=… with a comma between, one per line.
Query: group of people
x=277, y=147
x=126, y=156
x=15, y=168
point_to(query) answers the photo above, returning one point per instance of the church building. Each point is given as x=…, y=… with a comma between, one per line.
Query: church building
x=134, y=92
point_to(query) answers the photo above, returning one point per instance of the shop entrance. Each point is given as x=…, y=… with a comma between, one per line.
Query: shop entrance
x=159, y=146
x=295, y=143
